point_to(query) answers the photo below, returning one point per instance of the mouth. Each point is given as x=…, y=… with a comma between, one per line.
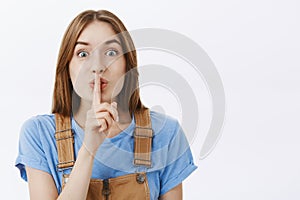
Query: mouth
x=103, y=83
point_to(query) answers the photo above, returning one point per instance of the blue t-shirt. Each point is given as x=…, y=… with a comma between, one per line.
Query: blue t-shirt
x=171, y=156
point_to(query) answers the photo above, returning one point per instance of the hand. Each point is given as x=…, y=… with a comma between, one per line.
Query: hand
x=99, y=119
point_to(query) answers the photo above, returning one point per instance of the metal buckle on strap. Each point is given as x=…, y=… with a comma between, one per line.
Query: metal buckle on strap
x=141, y=135
x=60, y=131
x=143, y=162
x=68, y=129
x=61, y=169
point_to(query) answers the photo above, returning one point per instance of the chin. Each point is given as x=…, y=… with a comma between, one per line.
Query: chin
x=108, y=100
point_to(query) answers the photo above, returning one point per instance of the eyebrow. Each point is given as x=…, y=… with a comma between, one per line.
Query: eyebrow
x=82, y=43
x=112, y=41
x=106, y=42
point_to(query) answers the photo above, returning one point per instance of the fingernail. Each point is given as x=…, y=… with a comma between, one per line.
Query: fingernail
x=115, y=104
x=117, y=120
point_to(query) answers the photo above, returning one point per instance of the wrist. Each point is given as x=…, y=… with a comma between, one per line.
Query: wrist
x=84, y=152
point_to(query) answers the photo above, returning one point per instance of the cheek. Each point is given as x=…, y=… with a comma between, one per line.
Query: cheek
x=118, y=71
x=77, y=72
x=73, y=71
x=118, y=68
x=119, y=83
x=79, y=79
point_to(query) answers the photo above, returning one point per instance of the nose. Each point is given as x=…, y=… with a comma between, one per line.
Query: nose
x=101, y=71
x=96, y=65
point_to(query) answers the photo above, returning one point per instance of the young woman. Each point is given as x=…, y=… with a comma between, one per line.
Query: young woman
x=101, y=142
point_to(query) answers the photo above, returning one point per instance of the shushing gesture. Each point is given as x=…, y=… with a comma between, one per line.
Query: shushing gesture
x=100, y=118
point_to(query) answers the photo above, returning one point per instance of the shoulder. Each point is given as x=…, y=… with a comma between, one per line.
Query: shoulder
x=169, y=141
x=162, y=119
x=165, y=127
x=35, y=125
x=39, y=121
x=163, y=122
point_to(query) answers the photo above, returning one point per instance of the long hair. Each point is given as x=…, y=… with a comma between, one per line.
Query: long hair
x=63, y=88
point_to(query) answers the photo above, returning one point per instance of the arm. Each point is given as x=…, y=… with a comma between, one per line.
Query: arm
x=78, y=183
x=173, y=194
x=42, y=186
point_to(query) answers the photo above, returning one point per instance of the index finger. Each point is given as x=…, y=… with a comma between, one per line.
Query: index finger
x=97, y=90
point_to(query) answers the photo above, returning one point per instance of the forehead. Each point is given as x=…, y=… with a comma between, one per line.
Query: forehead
x=97, y=33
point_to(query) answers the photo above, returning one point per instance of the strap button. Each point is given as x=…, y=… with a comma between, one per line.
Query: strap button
x=140, y=178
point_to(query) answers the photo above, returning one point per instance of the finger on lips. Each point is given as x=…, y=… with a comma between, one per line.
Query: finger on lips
x=104, y=112
x=97, y=90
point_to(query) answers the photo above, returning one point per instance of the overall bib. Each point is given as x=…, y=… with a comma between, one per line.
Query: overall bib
x=131, y=186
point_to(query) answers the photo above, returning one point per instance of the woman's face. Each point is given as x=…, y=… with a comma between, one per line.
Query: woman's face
x=98, y=50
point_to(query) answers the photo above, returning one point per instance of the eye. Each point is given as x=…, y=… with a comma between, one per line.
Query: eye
x=111, y=52
x=82, y=54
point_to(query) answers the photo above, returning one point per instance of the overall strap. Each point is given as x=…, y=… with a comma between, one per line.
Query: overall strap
x=64, y=142
x=143, y=134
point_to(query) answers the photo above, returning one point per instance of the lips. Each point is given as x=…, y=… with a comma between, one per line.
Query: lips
x=103, y=83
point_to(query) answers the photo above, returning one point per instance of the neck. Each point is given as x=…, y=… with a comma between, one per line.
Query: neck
x=84, y=106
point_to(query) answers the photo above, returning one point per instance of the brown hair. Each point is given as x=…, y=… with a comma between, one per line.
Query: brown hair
x=63, y=88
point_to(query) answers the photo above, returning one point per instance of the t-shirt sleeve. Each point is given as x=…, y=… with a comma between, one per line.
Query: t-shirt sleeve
x=31, y=153
x=180, y=162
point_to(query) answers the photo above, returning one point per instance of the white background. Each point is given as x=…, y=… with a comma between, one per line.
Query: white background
x=255, y=46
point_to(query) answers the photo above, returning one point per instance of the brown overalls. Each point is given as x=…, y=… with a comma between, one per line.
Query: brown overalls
x=127, y=187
